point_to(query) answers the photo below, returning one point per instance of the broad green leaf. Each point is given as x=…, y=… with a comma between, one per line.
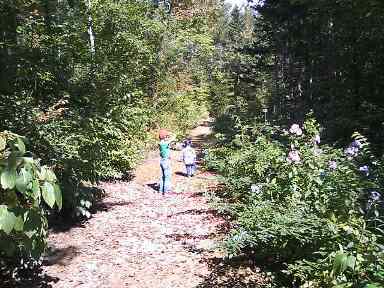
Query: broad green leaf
x=32, y=223
x=43, y=174
x=58, y=196
x=8, y=178
x=7, y=219
x=340, y=263
x=22, y=180
x=48, y=193
x=38, y=248
x=50, y=176
x=351, y=261
x=20, y=145
x=19, y=224
x=12, y=161
x=35, y=189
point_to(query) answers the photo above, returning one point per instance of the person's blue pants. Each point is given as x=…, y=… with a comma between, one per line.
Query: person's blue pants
x=190, y=169
x=165, y=180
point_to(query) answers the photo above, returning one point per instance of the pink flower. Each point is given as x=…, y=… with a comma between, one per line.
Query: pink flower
x=317, y=151
x=293, y=156
x=317, y=139
x=295, y=129
x=332, y=165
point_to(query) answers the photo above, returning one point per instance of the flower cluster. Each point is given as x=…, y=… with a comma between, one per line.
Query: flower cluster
x=374, y=196
x=295, y=129
x=357, y=144
x=293, y=156
x=332, y=165
x=353, y=149
x=316, y=140
x=365, y=170
x=256, y=188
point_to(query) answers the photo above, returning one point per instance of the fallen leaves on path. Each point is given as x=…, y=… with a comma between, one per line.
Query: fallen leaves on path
x=139, y=238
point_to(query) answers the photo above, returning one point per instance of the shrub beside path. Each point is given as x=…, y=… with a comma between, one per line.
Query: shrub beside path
x=139, y=238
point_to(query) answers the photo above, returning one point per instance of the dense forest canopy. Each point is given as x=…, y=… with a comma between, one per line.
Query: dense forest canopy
x=327, y=58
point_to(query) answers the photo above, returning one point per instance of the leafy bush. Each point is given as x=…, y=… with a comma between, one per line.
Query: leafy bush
x=26, y=189
x=316, y=208
x=90, y=112
x=181, y=112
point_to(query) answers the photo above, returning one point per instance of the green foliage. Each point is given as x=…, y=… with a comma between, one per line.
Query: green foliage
x=308, y=206
x=90, y=114
x=183, y=111
x=339, y=79
x=26, y=189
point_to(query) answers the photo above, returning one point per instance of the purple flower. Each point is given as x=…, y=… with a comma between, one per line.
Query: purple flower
x=316, y=140
x=364, y=169
x=295, y=129
x=332, y=165
x=356, y=144
x=351, y=151
x=375, y=195
x=293, y=156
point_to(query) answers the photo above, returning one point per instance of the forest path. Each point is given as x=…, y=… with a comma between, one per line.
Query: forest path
x=140, y=238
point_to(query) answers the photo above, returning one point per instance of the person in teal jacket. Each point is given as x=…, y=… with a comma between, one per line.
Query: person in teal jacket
x=165, y=163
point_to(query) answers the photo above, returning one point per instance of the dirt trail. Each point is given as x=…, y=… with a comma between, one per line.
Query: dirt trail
x=140, y=238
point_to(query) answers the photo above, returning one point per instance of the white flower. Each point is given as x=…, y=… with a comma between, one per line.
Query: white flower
x=317, y=139
x=332, y=165
x=256, y=188
x=295, y=129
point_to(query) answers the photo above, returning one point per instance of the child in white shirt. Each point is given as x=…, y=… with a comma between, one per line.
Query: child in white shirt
x=189, y=158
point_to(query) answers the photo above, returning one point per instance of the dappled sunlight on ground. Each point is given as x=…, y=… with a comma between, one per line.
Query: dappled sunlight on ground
x=140, y=238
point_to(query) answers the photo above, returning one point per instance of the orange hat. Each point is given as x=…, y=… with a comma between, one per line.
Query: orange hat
x=163, y=133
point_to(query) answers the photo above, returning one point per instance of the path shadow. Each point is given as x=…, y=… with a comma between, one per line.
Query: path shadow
x=190, y=242
x=196, y=212
x=196, y=194
x=179, y=173
x=188, y=236
x=106, y=206
x=28, y=278
x=60, y=223
x=63, y=221
x=154, y=186
x=60, y=256
x=237, y=272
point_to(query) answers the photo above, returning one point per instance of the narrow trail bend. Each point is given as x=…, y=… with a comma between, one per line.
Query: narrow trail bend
x=140, y=238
